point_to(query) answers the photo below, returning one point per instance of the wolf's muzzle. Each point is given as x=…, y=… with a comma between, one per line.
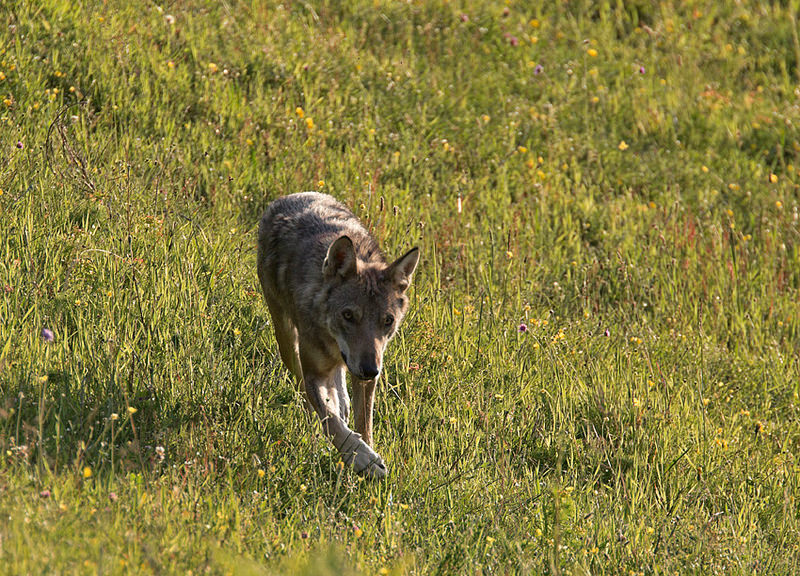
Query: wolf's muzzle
x=369, y=370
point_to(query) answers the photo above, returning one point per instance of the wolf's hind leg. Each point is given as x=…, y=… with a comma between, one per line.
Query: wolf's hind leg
x=286, y=335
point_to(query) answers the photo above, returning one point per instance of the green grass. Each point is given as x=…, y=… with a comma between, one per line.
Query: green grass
x=635, y=205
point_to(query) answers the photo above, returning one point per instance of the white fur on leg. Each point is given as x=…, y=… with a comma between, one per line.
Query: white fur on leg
x=359, y=455
x=341, y=394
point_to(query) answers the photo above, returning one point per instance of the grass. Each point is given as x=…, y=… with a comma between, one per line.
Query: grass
x=599, y=373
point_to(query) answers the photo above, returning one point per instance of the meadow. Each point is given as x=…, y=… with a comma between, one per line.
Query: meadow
x=600, y=369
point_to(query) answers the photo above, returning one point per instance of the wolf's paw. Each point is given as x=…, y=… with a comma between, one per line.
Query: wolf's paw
x=361, y=457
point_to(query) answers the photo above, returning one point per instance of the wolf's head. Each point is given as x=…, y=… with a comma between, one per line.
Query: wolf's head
x=365, y=305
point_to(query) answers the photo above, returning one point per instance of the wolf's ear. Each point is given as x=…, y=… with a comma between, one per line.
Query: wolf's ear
x=341, y=258
x=402, y=269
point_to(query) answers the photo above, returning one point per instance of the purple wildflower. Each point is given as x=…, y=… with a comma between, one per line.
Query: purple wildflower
x=20, y=145
x=47, y=335
x=513, y=40
x=522, y=328
x=607, y=333
x=464, y=18
x=641, y=69
x=538, y=70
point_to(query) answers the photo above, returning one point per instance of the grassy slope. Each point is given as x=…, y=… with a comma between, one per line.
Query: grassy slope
x=634, y=205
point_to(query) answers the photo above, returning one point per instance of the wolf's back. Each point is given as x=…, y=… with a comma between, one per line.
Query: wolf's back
x=294, y=235
x=302, y=226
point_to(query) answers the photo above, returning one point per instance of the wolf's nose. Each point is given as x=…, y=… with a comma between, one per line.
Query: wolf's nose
x=369, y=370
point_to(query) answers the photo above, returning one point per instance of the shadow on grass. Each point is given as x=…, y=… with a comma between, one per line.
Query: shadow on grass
x=62, y=419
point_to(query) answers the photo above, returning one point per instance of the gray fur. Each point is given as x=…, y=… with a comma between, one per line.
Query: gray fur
x=335, y=304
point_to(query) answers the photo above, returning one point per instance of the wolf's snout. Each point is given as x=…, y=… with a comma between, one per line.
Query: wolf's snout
x=369, y=369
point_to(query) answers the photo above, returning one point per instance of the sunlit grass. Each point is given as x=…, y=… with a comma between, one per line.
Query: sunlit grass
x=599, y=370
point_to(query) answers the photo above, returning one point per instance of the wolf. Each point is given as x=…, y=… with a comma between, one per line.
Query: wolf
x=335, y=303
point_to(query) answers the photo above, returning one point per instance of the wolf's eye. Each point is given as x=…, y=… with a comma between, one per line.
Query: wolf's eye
x=388, y=321
x=348, y=315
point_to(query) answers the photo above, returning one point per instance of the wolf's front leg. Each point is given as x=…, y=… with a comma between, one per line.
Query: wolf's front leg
x=363, y=400
x=323, y=394
x=339, y=380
